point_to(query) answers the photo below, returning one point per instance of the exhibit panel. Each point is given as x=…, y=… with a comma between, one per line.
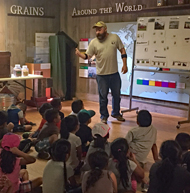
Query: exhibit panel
x=163, y=42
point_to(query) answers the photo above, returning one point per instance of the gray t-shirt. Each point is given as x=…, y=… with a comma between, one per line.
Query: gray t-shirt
x=112, y=166
x=106, y=53
x=75, y=142
x=92, y=149
x=48, y=130
x=53, y=177
x=141, y=140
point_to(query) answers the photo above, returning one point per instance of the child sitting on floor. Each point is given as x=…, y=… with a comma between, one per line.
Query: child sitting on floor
x=56, y=104
x=142, y=138
x=15, y=115
x=42, y=111
x=100, y=133
x=49, y=133
x=69, y=126
x=183, y=140
x=23, y=107
x=98, y=179
x=167, y=175
x=57, y=173
x=124, y=165
x=10, y=164
x=4, y=128
x=76, y=106
x=85, y=132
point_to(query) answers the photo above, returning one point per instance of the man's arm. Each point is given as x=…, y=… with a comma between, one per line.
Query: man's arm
x=155, y=152
x=81, y=55
x=124, y=58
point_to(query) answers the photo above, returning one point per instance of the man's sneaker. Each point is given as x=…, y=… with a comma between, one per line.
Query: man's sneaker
x=104, y=120
x=118, y=117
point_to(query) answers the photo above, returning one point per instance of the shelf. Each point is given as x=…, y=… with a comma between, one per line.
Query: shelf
x=158, y=71
x=144, y=10
x=166, y=8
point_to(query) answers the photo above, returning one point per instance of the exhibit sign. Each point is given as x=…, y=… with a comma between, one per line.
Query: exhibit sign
x=117, y=8
x=28, y=11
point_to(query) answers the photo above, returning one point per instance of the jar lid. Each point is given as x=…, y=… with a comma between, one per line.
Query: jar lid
x=17, y=65
x=25, y=66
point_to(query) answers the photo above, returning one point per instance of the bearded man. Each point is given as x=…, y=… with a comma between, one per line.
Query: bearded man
x=104, y=47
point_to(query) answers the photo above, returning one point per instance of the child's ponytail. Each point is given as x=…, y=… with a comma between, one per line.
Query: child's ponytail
x=119, y=149
x=68, y=124
x=59, y=151
x=97, y=161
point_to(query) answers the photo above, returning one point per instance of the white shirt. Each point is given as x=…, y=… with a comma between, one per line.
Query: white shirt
x=75, y=142
x=53, y=177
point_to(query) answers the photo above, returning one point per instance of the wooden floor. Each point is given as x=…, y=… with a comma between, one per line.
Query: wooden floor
x=165, y=124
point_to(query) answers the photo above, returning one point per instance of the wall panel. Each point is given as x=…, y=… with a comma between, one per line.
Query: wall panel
x=18, y=33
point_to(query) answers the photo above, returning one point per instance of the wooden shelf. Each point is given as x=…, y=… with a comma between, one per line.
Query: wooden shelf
x=144, y=10
x=166, y=8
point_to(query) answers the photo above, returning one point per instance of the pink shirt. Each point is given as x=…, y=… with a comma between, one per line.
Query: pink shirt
x=14, y=176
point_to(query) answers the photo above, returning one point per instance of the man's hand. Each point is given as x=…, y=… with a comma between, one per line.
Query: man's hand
x=77, y=52
x=124, y=69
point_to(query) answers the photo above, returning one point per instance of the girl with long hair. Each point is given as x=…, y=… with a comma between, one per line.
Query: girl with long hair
x=100, y=133
x=124, y=165
x=98, y=179
x=167, y=175
x=58, y=174
x=11, y=158
x=69, y=126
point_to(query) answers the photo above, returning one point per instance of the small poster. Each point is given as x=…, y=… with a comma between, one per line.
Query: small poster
x=159, y=25
x=91, y=72
x=83, y=44
x=83, y=71
x=142, y=26
x=174, y=25
x=187, y=25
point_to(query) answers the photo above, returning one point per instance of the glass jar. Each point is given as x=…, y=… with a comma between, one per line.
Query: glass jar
x=25, y=70
x=17, y=71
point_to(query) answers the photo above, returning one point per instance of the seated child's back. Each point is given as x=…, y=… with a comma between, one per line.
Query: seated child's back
x=142, y=138
x=85, y=132
x=69, y=126
x=15, y=115
x=76, y=106
x=54, y=173
x=49, y=128
x=183, y=140
x=56, y=104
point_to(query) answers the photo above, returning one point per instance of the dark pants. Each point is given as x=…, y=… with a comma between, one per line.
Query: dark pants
x=106, y=82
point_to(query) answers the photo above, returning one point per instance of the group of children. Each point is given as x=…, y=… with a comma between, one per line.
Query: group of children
x=74, y=148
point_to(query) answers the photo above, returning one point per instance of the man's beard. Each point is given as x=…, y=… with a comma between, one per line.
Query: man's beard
x=101, y=36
